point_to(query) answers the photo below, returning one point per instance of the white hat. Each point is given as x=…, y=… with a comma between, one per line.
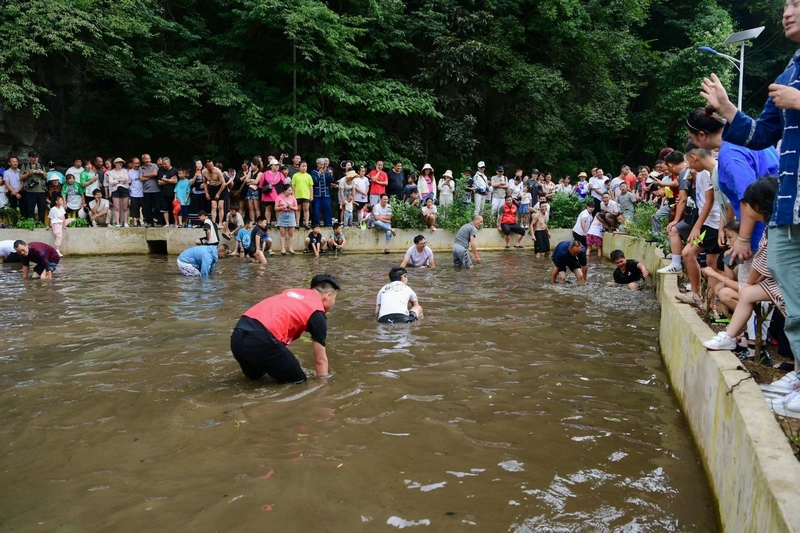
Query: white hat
x=448, y=173
x=481, y=164
x=53, y=177
x=273, y=162
x=427, y=166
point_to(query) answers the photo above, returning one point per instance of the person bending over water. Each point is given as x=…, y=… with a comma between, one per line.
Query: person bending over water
x=200, y=260
x=629, y=272
x=45, y=256
x=394, y=299
x=260, y=339
x=569, y=255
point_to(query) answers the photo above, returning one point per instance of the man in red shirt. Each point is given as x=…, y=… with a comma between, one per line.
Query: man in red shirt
x=45, y=256
x=379, y=179
x=507, y=223
x=260, y=338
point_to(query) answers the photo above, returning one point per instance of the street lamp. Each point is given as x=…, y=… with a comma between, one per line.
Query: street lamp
x=738, y=37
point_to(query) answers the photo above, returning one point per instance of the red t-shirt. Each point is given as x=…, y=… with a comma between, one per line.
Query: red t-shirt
x=377, y=188
x=630, y=179
x=286, y=315
x=509, y=214
x=40, y=253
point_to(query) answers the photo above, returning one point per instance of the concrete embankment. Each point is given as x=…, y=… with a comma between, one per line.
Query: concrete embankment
x=105, y=241
x=753, y=474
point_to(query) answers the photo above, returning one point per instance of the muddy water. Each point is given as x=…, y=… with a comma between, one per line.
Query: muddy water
x=514, y=406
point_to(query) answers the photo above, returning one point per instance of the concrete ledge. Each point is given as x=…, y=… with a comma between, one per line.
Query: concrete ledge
x=106, y=241
x=754, y=476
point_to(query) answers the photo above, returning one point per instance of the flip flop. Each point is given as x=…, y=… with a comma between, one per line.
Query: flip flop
x=787, y=367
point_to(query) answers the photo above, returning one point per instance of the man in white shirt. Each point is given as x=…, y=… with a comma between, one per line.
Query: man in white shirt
x=480, y=188
x=394, y=299
x=499, y=189
x=75, y=169
x=609, y=210
x=597, y=186
x=419, y=255
x=13, y=183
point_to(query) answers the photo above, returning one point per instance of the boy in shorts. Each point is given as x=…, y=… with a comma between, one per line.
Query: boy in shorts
x=628, y=272
x=314, y=241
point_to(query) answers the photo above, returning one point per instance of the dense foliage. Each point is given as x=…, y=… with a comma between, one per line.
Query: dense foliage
x=559, y=84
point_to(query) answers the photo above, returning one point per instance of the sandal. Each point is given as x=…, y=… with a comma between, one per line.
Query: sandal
x=386, y=251
x=787, y=367
x=291, y=252
x=283, y=252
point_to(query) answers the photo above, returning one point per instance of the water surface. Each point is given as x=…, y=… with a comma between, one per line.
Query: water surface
x=514, y=406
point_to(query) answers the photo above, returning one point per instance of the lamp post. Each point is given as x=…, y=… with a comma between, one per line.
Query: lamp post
x=738, y=37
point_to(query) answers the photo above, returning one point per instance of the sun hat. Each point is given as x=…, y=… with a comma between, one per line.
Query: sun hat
x=351, y=174
x=582, y=175
x=53, y=177
x=448, y=173
x=119, y=160
x=427, y=166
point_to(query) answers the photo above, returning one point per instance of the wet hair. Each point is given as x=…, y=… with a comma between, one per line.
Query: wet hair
x=396, y=273
x=325, y=283
x=617, y=254
x=18, y=243
x=573, y=244
x=418, y=238
x=704, y=119
x=224, y=247
x=691, y=147
x=760, y=195
x=673, y=158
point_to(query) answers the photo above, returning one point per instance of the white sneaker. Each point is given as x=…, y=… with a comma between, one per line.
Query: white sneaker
x=670, y=269
x=694, y=300
x=722, y=341
x=790, y=403
x=788, y=383
x=59, y=253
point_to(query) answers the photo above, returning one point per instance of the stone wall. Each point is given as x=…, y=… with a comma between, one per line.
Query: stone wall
x=104, y=241
x=753, y=474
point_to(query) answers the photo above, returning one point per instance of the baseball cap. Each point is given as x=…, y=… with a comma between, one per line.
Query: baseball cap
x=500, y=169
x=481, y=164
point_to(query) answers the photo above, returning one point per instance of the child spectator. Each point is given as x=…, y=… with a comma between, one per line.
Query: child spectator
x=314, y=241
x=429, y=213
x=410, y=186
x=182, y=192
x=594, y=237
x=74, y=196
x=336, y=240
x=258, y=239
x=525, y=207
x=541, y=233
x=348, y=211
x=57, y=221
x=89, y=181
x=628, y=272
x=243, y=238
x=365, y=217
x=413, y=198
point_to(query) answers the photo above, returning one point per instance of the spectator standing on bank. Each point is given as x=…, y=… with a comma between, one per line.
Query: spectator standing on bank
x=167, y=178
x=446, y=188
x=33, y=176
x=397, y=181
x=136, y=200
x=148, y=175
x=499, y=189
x=378, y=179
x=119, y=190
x=321, y=205
x=480, y=188
x=14, y=189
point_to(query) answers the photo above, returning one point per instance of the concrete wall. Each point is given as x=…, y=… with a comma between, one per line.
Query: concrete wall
x=753, y=474
x=104, y=241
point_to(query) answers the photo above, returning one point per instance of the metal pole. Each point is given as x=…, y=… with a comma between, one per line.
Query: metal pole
x=741, y=75
x=294, y=90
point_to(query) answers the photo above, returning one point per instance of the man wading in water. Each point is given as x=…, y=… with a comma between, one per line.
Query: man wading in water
x=260, y=338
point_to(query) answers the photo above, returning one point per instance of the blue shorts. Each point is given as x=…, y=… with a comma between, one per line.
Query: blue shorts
x=50, y=267
x=524, y=209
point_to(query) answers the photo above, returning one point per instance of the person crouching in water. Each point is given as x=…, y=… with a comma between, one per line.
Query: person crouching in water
x=260, y=339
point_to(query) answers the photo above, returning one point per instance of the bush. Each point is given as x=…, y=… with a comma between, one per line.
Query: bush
x=564, y=209
x=406, y=216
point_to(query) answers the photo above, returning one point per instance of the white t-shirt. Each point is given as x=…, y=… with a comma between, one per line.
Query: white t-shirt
x=596, y=228
x=134, y=184
x=615, y=183
x=703, y=184
x=514, y=189
x=419, y=259
x=612, y=207
x=598, y=185
x=6, y=248
x=394, y=297
x=75, y=171
x=57, y=215
x=363, y=184
x=103, y=205
x=377, y=210
x=432, y=210
x=585, y=216
x=525, y=198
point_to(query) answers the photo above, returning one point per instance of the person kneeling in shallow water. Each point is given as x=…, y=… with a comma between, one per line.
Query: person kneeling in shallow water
x=572, y=256
x=260, y=338
x=629, y=272
x=394, y=299
x=200, y=260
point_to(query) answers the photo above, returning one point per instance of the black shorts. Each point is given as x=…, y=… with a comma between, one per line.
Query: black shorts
x=259, y=353
x=571, y=266
x=165, y=203
x=121, y=192
x=213, y=190
x=709, y=242
x=399, y=318
x=580, y=238
x=508, y=229
x=301, y=201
